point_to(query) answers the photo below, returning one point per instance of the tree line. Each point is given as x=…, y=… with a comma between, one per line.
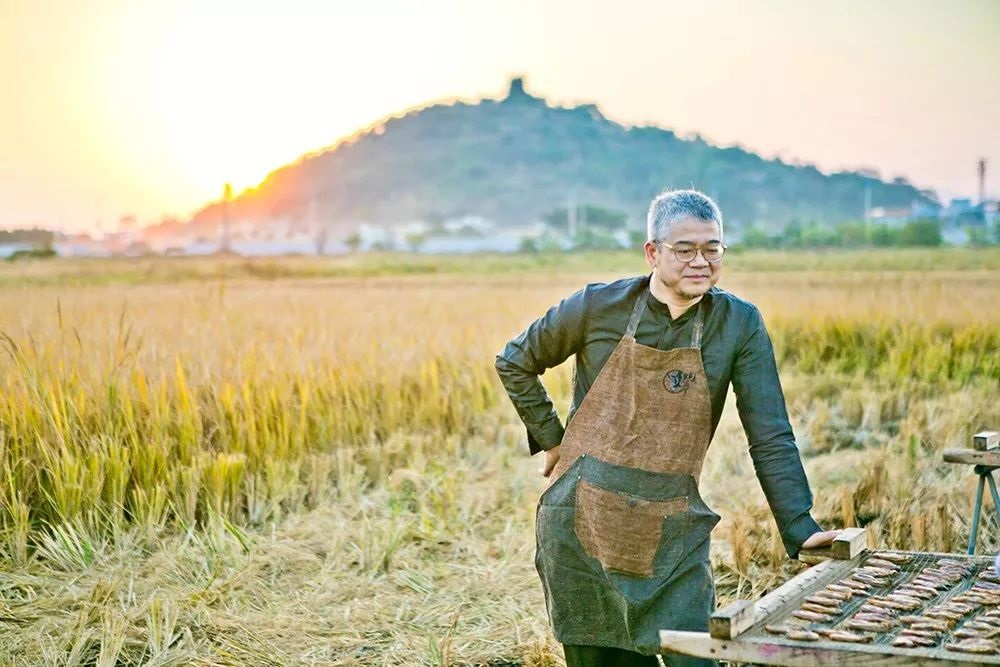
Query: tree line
x=595, y=227
x=922, y=232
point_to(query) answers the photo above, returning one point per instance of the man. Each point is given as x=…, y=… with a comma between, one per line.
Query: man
x=622, y=532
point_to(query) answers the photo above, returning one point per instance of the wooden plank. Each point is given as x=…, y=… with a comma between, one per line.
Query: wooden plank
x=972, y=457
x=754, y=645
x=765, y=652
x=848, y=544
x=732, y=620
x=985, y=440
x=798, y=587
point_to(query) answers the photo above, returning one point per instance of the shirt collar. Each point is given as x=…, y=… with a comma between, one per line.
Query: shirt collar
x=652, y=303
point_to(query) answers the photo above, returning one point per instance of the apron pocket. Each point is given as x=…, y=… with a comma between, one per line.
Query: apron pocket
x=620, y=530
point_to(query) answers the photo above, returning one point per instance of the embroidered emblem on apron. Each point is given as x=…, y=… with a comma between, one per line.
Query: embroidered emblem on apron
x=677, y=381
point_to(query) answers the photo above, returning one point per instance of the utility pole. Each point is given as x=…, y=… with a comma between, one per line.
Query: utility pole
x=227, y=196
x=571, y=215
x=317, y=228
x=981, y=168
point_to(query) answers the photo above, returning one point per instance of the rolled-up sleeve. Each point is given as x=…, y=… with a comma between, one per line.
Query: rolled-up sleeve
x=762, y=410
x=546, y=343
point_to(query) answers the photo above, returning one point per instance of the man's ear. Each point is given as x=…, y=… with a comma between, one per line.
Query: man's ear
x=650, y=250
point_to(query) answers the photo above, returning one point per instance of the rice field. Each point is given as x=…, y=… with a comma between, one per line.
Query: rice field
x=309, y=461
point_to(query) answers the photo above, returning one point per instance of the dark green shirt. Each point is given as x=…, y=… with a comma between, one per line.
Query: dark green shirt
x=735, y=349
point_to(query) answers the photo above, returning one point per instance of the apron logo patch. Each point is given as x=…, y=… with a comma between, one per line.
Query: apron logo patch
x=677, y=381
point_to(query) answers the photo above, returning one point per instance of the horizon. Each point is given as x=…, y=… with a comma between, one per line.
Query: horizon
x=156, y=127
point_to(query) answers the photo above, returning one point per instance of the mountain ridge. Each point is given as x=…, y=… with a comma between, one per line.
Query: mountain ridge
x=514, y=159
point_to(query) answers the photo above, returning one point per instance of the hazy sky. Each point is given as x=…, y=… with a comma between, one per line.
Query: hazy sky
x=112, y=107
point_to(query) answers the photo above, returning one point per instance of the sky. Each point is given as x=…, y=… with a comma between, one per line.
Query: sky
x=148, y=107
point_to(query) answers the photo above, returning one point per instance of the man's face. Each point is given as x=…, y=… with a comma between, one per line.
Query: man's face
x=687, y=280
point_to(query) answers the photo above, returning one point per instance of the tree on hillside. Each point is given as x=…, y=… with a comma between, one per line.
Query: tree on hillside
x=852, y=234
x=925, y=232
x=755, y=237
x=41, y=238
x=415, y=240
x=978, y=236
x=883, y=236
x=818, y=236
x=791, y=236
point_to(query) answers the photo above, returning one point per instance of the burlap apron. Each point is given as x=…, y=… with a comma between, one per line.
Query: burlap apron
x=622, y=532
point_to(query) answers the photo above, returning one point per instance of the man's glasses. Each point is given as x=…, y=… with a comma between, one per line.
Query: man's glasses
x=712, y=252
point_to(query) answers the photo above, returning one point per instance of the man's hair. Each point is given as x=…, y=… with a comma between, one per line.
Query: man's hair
x=672, y=206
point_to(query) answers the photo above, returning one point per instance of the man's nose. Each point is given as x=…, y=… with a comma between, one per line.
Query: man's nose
x=698, y=259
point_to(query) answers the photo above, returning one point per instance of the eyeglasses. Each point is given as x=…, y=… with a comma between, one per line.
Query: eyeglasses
x=712, y=252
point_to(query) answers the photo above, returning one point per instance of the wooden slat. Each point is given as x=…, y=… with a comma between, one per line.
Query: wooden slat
x=973, y=457
x=985, y=440
x=732, y=620
x=763, y=652
x=735, y=619
x=848, y=544
x=793, y=591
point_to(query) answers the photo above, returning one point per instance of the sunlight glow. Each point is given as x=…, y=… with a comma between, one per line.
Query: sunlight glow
x=224, y=100
x=147, y=108
x=243, y=91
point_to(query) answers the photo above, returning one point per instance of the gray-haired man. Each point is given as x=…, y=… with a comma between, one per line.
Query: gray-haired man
x=622, y=532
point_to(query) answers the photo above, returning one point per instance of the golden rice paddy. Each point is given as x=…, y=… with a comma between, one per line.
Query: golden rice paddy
x=303, y=461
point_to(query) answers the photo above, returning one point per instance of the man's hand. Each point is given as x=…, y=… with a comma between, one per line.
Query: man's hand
x=551, y=458
x=820, y=539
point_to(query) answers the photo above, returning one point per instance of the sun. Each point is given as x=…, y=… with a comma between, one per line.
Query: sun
x=244, y=88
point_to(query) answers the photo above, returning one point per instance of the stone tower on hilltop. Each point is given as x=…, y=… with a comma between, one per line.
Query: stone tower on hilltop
x=516, y=93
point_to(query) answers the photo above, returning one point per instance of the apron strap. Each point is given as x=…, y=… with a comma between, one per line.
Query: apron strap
x=699, y=326
x=640, y=308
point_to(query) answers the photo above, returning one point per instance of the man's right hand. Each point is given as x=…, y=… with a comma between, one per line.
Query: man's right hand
x=551, y=458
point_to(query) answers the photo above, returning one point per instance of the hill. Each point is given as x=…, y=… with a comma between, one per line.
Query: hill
x=512, y=160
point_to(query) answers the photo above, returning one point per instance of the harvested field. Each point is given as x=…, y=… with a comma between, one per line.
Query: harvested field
x=312, y=461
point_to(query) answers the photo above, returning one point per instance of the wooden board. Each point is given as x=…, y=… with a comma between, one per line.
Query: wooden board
x=848, y=544
x=732, y=640
x=972, y=457
x=771, y=653
x=732, y=620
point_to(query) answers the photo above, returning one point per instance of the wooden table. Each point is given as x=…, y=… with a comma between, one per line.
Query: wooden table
x=985, y=458
x=737, y=634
